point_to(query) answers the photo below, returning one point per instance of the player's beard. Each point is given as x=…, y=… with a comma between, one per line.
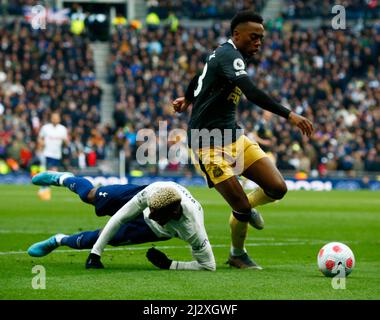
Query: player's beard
x=247, y=57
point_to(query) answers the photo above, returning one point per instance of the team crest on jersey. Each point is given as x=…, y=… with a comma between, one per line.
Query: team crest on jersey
x=239, y=64
x=217, y=172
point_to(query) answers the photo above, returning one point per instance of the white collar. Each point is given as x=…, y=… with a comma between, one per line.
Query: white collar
x=231, y=42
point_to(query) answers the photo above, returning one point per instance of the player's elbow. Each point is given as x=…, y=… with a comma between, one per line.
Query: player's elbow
x=210, y=266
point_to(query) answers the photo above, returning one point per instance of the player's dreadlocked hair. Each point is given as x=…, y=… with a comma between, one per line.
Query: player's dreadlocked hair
x=164, y=197
x=245, y=16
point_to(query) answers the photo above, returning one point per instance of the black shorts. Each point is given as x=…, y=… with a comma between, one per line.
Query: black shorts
x=109, y=199
x=135, y=232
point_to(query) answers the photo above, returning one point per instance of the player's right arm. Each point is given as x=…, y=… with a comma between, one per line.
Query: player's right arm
x=126, y=213
x=182, y=103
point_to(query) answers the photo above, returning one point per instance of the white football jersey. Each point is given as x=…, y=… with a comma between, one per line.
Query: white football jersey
x=53, y=137
x=190, y=227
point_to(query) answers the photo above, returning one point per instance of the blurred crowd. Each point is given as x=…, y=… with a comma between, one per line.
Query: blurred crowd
x=41, y=72
x=330, y=76
x=202, y=9
x=293, y=9
x=15, y=7
x=354, y=9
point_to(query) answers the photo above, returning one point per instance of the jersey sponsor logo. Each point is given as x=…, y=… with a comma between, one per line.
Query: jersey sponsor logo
x=239, y=73
x=238, y=64
x=103, y=194
x=235, y=95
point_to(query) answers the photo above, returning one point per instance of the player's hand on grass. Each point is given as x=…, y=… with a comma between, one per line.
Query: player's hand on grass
x=180, y=104
x=301, y=122
x=93, y=262
x=158, y=258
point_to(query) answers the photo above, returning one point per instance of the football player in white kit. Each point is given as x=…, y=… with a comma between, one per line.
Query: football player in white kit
x=172, y=212
x=51, y=138
x=157, y=212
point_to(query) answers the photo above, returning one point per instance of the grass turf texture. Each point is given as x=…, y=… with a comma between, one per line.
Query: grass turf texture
x=296, y=228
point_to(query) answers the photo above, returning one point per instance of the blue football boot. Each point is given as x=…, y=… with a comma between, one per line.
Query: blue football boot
x=43, y=248
x=49, y=178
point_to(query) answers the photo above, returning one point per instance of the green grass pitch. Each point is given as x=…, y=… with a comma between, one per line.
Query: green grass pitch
x=296, y=228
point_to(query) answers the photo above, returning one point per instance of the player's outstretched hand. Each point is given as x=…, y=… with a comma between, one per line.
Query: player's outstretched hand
x=301, y=122
x=158, y=258
x=180, y=104
x=93, y=262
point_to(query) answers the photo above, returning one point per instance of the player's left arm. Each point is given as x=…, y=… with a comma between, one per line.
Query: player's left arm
x=232, y=66
x=204, y=259
x=264, y=101
x=203, y=254
x=194, y=234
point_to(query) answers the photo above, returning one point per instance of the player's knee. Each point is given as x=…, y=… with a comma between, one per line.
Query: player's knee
x=243, y=208
x=240, y=203
x=100, y=214
x=277, y=190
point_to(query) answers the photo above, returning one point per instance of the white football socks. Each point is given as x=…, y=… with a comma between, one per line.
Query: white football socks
x=63, y=177
x=59, y=237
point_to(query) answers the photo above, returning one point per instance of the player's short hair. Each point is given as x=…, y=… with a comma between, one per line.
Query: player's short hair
x=163, y=198
x=245, y=16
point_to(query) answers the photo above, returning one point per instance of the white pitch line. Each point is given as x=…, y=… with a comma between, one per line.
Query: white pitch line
x=5, y=231
x=274, y=244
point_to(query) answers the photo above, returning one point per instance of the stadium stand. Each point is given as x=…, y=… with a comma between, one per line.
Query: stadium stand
x=16, y=7
x=42, y=72
x=332, y=76
x=201, y=9
x=355, y=9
